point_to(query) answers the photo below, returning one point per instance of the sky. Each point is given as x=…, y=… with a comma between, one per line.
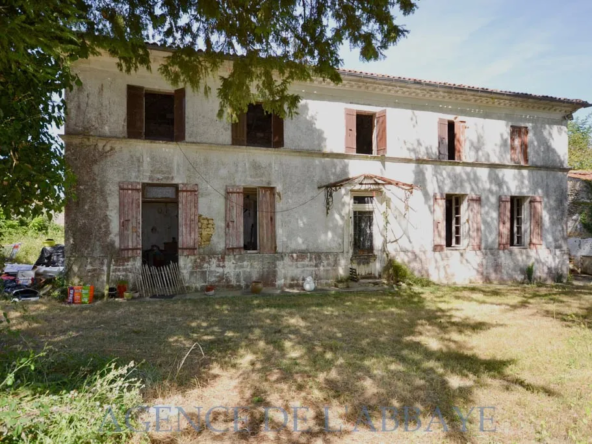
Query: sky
x=538, y=47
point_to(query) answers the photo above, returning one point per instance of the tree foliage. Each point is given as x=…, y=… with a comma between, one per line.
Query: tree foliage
x=580, y=143
x=271, y=45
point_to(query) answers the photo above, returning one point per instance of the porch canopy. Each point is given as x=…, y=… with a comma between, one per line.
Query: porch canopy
x=365, y=181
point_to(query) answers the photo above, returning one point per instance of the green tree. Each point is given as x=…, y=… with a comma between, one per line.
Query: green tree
x=580, y=143
x=271, y=45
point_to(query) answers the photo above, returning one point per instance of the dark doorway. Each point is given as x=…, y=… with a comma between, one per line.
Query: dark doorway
x=160, y=225
x=250, y=226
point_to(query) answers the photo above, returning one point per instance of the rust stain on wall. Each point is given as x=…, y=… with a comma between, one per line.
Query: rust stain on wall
x=206, y=230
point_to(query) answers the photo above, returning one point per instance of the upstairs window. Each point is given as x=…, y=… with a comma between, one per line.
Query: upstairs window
x=258, y=128
x=159, y=114
x=155, y=115
x=519, y=145
x=365, y=132
x=451, y=139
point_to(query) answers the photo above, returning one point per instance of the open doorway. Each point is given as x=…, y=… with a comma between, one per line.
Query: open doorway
x=250, y=228
x=160, y=224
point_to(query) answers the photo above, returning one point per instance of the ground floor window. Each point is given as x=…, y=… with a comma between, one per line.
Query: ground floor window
x=363, y=219
x=454, y=232
x=516, y=221
x=250, y=219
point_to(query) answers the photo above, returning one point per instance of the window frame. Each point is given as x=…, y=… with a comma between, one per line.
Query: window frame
x=459, y=220
x=364, y=208
x=374, y=127
x=159, y=93
x=525, y=221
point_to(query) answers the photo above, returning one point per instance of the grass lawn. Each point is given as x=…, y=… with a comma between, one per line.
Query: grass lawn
x=525, y=351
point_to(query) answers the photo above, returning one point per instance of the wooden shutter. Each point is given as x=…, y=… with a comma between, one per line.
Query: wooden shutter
x=130, y=219
x=135, y=112
x=515, y=143
x=442, y=139
x=536, y=222
x=277, y=131
x=188, y=220
x=439, y=222
x=266, y=219
x=381, y=133
x=234, y=220
x=524, y=145
x=350, y=131
x=504, y=223
x=474, y=222
x=179, y=115
x=239, y=131
x=459, y=140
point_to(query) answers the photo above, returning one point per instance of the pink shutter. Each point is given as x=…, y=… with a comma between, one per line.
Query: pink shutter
x=350, y=131
x=524, y=145
x=515, y=144
x=442, y=139
x=130, y=219
x=536, y=222
x=504, y=223
x=381, y=133
x=439, y=222
x=459, y=140
x=188, y=220
x=475, y=222
x=266, y=215
x=234, y=220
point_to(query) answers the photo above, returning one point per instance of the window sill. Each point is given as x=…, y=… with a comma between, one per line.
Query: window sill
x=518, y=247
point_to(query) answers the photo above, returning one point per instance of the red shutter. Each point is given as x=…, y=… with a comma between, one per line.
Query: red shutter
x=239, y=131
x=536, y=222
x=439, y=222
x=277, y=131
x=515, y=143
x=459, y=140
x=234, y=220
x=135, y=112
x=442, y=139
x=474, y=222
x=179, y=115
x=350, y=131
x=266, y=215
x=188, y=220
x=381, y=133
x=130, y=219
x=504, y=223
x=524, y=145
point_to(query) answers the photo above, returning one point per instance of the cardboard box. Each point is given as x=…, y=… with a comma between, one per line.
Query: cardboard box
x=87, y=294
x=74, y=295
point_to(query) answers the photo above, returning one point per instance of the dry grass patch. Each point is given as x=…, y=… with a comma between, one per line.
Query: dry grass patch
x=527, y=351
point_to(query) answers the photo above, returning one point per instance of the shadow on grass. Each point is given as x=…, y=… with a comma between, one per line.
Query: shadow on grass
x=351, y=350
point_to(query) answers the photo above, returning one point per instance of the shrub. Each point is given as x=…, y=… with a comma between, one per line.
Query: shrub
x=530, y=274
x=49, y=397
x=398, y=273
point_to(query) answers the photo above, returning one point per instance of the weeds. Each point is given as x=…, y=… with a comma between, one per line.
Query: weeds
x=398, y=273
x=51, y=397
x=530, y=274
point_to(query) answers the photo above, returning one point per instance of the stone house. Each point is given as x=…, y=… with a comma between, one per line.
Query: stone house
x=463, y=184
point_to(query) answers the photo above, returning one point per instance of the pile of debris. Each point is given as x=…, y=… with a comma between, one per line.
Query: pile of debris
x=24, y=281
